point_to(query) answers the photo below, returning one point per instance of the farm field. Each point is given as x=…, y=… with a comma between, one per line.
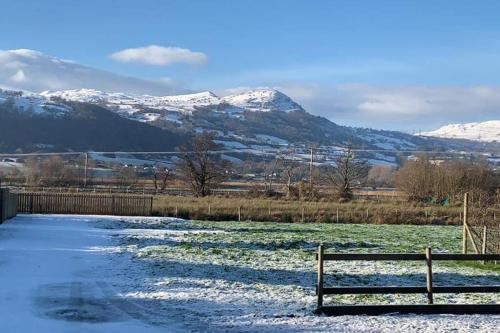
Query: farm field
x=260, y=277
x=221, y=208
x=126, y=274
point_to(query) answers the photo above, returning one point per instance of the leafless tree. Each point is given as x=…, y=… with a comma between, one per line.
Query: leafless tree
x=160, y=177
x=381, y=175
x=270, y=172
x=433, y=179
x=127, y=176
x=201, y=168
x=51, y=172
x=348, y=173
x=292, y=172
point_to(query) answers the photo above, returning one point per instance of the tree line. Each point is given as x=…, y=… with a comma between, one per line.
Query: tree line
x=203, y=170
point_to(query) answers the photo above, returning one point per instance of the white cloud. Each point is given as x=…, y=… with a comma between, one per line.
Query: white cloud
x=35, y=71
x=160, y=56
x=410, y=108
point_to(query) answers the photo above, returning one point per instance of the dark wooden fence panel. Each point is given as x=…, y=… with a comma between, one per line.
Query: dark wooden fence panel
x=428, y=289
x=85, y=204
x=8, y=205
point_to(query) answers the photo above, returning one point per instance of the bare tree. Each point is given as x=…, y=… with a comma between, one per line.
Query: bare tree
x=348, y=174
x=202, y=169
x=51, y=172
x=270, y=173
x=381, y=175
x=127, y=176
x=292, y=172
x=424, y=179
x=160, y=177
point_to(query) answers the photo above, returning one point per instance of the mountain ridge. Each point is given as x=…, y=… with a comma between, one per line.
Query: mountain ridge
x=254, y=120
x=486, y=131
x=262, y=99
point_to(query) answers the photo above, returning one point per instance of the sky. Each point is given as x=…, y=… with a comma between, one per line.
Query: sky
x=402, y=65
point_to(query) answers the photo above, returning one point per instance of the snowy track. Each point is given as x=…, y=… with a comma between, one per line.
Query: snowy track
x=57, y=274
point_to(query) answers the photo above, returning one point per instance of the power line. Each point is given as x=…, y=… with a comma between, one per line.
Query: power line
x=251, y=150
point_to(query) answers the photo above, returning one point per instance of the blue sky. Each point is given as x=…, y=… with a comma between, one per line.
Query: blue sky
x=356, y=51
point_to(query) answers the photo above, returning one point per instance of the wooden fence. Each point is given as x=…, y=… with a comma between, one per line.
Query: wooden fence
x=429, y=289
x=480, y=229
x=84, y=203
x=8, y=205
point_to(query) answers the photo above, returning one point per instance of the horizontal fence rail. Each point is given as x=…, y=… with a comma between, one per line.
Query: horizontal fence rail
x=84, y=203
x=429, y=289
x=406, y=256
x=8, y=205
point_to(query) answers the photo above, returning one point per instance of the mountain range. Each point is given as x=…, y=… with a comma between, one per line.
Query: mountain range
x=487, y=131
x=248, y=122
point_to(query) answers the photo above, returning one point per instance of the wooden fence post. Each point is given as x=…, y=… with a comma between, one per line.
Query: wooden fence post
x=321, y=252
x=483, y=250
x=113, y=205
x=302, y=213
x=239, y=213
x=464, y=231
x=485, y=238
x=337, y=214
x=428, y=257
x=209, y=210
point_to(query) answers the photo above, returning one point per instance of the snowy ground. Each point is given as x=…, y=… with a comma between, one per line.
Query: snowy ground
x=58, y=274
x=110, y=274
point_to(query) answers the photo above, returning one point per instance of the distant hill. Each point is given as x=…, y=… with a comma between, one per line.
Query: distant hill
x=250, y=121
x=487, y=131
x=77, y=127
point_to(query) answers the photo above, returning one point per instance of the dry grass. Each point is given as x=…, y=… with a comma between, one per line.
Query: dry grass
x=218, y=208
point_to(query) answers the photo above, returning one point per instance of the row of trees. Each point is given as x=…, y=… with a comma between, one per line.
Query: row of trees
x=424, y=179
x=203, y=170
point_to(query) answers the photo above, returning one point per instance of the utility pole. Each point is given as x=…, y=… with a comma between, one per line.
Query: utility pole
x=86, y=170
x=310, y=169
x=465, y=227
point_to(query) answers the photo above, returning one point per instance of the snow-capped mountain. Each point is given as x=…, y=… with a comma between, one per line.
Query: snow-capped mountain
x=134, y=106
x=487, y=131
x=263, y=100
x=152, y=108
x=33, y=104
x=32, y=122
x=251, y=121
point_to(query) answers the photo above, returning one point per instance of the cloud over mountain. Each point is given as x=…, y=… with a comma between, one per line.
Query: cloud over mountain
x=160, y=56
x=409, y=108
x=34, y=71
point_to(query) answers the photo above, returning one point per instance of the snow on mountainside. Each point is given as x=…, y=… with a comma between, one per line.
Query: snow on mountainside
x=131, y=104
x=488, y=131
x=32, y=103
x=256, y=118
x=262, y=100
x=142, y=107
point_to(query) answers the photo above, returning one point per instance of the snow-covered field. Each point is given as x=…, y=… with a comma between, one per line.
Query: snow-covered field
x=113, y=274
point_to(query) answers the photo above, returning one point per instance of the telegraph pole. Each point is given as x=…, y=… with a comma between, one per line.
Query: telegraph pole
x=86, y=169
x=311, y=169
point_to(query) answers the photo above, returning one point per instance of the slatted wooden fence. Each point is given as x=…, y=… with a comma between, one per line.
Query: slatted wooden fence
x=429, y=289
x=84, y=203
x=8, y=205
